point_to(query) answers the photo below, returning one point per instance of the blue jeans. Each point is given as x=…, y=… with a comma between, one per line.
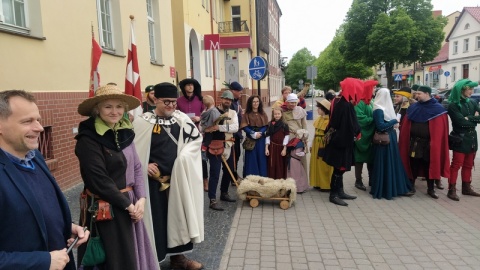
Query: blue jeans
x=215, y=166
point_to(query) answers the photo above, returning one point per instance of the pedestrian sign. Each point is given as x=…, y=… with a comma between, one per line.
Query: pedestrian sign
x=258, y=68
x=397, y=77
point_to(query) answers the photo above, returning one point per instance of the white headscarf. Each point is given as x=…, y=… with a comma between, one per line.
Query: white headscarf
x=383, y=101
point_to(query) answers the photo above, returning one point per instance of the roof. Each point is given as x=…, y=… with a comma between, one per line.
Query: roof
x=442, y=55
x=473, y=11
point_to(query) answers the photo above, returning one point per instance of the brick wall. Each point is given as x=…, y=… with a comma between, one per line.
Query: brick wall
x=59, y=110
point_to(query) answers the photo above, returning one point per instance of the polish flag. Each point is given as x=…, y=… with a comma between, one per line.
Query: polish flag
x=132, y=78
x=94, y=75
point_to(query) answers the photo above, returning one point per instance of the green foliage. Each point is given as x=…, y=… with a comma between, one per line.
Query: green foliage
x=392, y=31
x=297, y=67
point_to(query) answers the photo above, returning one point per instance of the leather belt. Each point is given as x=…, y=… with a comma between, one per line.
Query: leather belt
x=127, y=189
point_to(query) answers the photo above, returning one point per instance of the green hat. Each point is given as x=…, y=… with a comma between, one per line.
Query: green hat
x=415, y=87
x=457, y=89
x=425, y=89
x=227, y=94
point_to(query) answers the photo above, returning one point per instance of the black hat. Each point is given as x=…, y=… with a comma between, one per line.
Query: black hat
x=236, y=86
x=149, y=88
x=184, y=82
x=165, y=90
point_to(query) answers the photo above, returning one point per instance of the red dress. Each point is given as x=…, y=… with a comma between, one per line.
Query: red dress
x=277, y=164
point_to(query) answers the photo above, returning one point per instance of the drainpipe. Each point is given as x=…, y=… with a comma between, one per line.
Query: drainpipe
x=213, y=57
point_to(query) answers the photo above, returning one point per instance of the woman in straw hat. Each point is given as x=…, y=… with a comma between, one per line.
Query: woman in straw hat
x=111, y=171
x=320, y=172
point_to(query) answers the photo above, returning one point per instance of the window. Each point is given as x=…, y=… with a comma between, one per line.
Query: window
x=465, y=45
x=236, y=19
x=13, y=12
x=21, y=17
x=477, y=43
x=207, y=5
x=455, y=47
x=467, y=26
x=151, y=30
x=454, y=74
x=45, y=143
x=465, y=71
x=105, y=24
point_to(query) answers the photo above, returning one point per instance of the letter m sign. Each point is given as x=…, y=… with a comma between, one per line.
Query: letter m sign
x=211, y=42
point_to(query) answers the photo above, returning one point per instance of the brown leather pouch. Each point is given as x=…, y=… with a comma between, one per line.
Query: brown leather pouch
x=104, y=211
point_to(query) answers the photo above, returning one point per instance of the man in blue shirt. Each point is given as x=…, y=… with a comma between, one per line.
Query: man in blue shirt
x=36, y=226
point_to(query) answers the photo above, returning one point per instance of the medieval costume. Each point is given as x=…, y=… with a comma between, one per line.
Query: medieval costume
x=320, y=172
x=148, y=105
x=363, y=151
x=345, y=128
x=389, y=178
x=296, y=149
x=423, y=142
x=277, y=137
x=464, y=114
x=255, y=159
x=401, y=108
x=174, y=211
x=111, y=171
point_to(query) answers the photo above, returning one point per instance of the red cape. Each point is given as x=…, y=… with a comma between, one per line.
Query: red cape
x=439, y=152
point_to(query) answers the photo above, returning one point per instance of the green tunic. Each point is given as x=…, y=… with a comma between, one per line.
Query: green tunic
x=363, y=148
x=457, y=113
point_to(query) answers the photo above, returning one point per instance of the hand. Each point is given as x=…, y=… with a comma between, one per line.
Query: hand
x=138, y=210
x=396, y=125
x=476, y=113
x=82, y=235
x=195, y=119
x=258, y=135
x=267, y=153
x=284, y=152
x=153, y=169
x=211, y=129
x=58, y=259
x=301, y=154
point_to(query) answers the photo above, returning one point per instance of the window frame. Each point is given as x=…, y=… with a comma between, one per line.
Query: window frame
x=102, y=29
x=151, y=31
x=455, y=47
x=465, y=44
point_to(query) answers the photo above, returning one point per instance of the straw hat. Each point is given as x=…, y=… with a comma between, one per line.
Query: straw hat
x=103, y=93
x=324, y=103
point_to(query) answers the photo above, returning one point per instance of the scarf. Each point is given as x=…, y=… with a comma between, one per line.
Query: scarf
x=422, y=112
x=116, y=138
x=275, y=126
x=383, y=102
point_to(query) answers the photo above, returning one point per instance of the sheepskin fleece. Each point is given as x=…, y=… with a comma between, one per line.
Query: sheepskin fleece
x=269, y=189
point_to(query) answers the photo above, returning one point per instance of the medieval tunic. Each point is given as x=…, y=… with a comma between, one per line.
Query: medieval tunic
x=108, y=163
x=339, y=152
x=255, y=159
x=174, y=217
x=277, y=164
x=363, y=148
x=296, y=119
x=320, y=172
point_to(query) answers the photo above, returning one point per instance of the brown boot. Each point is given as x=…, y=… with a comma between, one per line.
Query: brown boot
x=181, y=262
x=452, y=192
x=467, y=190
x=205, y=184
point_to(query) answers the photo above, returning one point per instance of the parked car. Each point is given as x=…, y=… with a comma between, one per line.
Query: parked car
x=475, y=96
x=443, y=95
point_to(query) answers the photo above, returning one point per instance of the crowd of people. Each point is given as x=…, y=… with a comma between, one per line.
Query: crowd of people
x=144, y=178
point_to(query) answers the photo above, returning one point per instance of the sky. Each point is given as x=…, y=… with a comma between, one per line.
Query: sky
x=312, y=23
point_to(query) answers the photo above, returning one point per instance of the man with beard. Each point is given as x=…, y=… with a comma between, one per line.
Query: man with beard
x=224, y=130
x=168, y=144
x=423, y=141
x=401, y=101
x=149, y=104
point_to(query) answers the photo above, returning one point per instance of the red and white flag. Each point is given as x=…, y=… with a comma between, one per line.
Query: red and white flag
x=94, y=75
x=132, y=78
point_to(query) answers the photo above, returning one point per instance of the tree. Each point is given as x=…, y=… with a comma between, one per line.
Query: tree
x=297, y=67
x=392, y=31
x=333, y=68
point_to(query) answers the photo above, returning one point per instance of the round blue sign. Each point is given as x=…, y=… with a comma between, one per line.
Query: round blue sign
x=258, y=68
x=447, y=73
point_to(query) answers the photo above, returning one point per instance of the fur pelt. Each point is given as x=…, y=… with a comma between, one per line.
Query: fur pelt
x=268, y=187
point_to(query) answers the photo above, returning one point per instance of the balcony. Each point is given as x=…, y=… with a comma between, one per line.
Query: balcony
x=232, y=27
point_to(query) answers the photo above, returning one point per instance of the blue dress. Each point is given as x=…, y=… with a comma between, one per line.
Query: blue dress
x=389, y=176
x=255, y=160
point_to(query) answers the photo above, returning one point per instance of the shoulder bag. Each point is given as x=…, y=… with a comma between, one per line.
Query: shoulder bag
x=381, y=138
x=216, y=147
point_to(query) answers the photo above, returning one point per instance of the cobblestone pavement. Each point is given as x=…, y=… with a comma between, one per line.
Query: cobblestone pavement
x=404, y=233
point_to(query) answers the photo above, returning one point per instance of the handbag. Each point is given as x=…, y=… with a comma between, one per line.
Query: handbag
x=216, y=147
x=101, y=210
x=454, y=139
x=249, y=144
x=381, y=138
x=94, y=252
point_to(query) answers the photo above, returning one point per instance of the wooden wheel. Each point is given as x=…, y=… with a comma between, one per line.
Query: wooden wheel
x=284, y=205
x=254, y=203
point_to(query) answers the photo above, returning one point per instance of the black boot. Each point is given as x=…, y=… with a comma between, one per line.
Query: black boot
x=431, y=190
x=439, y=185
x=413, y=190
x=341, y=193
x=225, y=197
x=214, y=205
x=359, y=185
x=334, y=191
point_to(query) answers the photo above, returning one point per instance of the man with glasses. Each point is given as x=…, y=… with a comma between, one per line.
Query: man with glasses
x=168, y=144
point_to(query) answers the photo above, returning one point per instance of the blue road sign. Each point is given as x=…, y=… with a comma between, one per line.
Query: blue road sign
x=258, y=68
x=447, y=73
x=397, y=77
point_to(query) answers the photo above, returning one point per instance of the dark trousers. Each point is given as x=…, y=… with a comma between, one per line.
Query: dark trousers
x=215, y=166
x=417, y=165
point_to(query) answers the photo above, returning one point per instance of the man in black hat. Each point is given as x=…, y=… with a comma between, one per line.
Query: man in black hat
x=191, y=100
x=168, y=145
x=149, y=104
x=236, y=90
